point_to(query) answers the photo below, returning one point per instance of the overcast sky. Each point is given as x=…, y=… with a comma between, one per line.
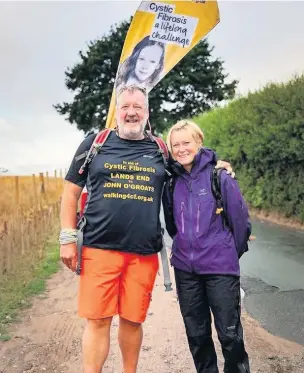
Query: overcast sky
x=259, y=41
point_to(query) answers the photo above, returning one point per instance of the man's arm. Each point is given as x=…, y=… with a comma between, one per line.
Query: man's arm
x=69, y=204
x=74, y=184
x=68, y=218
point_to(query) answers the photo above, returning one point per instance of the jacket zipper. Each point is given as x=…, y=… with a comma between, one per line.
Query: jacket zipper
x=197, y=217
x=190, y=230
x=182, y=216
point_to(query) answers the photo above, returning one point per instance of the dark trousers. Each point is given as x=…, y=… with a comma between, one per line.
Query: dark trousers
x=198, y=294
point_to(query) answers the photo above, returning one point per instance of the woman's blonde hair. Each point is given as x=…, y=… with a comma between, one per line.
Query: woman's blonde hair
x=187, y=125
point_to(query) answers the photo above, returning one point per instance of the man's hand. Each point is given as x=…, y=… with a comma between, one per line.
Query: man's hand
x=68, y=255
x=227, y=166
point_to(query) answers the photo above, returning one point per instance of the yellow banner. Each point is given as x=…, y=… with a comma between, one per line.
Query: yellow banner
x=160, y=35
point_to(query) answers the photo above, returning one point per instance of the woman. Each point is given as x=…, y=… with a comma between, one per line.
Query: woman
x=205, y=252
x=144, y=66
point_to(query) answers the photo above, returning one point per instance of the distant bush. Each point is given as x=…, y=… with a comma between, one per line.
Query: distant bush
x=262, y=135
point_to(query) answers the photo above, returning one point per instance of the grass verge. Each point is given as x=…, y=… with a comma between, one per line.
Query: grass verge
x=26, y=280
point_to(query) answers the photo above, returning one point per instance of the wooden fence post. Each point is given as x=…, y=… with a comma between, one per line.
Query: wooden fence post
x=36, y=233
x=43, y=202
x=17, y=192
x=19, y=232
x=5, y=259
x=35, y=192
x=47, y=180
x=41, y=189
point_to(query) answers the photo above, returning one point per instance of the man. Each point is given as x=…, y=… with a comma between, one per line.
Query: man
x=122, y=235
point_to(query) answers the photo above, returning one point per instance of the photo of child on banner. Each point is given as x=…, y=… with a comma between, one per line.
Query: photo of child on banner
x=144, y=66
x=160, y=35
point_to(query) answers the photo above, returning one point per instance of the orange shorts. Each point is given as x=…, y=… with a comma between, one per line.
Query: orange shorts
x=113, y=282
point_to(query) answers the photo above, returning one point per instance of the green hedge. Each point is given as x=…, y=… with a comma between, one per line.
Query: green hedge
x=262, y=135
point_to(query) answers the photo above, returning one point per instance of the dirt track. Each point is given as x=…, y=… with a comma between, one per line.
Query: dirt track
x=49, y=338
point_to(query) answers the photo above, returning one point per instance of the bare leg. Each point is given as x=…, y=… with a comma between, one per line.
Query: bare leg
x=96, y=344
x=130, y=337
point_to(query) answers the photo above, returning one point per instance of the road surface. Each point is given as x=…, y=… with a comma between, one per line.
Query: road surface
x=273, y=279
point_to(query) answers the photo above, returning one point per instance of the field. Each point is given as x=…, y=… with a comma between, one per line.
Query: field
x=29, y=209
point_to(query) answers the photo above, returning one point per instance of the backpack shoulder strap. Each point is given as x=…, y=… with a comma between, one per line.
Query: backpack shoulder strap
x=216, y=188
x=171, y=184
x=163, y=149
x=216, y=191
x=102, y=136
x=98, y=142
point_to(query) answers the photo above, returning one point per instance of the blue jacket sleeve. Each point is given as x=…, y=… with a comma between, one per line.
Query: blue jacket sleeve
x=237, y=212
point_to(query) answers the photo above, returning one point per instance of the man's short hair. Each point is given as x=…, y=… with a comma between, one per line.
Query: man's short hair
x=131, y=89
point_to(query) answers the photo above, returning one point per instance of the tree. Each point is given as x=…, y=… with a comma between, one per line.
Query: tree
x=193, y=86
x=3, y=170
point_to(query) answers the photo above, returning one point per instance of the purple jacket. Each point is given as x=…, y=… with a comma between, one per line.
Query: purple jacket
x=202, y=244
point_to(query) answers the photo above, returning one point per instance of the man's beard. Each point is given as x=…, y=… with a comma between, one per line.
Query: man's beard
x=134, y=133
